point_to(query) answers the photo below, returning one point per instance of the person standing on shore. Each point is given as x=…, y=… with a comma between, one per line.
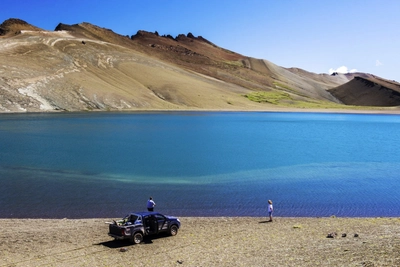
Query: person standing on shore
x=150, y=204
x=270, y=210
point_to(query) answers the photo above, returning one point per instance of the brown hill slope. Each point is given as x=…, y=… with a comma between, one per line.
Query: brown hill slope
x=88, y=31
x=202, y=56
x=45, y=71
x=15, y=26
x=368, y=91
x=86, y=67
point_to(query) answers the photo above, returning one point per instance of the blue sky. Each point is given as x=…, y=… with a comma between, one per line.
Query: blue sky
x=314, y=35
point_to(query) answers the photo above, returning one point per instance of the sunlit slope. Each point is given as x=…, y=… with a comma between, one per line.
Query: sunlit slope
x=200, y=55
x=83, y=67
x=56, y=71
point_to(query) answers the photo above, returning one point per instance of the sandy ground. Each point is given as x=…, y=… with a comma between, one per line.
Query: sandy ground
x=223, y=241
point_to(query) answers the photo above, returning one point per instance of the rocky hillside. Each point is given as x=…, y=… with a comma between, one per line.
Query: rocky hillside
x=86, y=67
x=15, y=26
x=368, y=91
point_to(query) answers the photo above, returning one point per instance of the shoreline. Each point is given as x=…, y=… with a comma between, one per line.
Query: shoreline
x=377, y=110
x=206, y=241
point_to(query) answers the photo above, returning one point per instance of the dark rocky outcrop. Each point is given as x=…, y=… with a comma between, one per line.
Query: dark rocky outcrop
x=63, y=27
x=15, y=26
x=143, y=34
x=371, y=91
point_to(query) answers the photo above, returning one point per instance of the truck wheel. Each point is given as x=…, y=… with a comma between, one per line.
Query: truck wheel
x=173, y=230
x=137, y=238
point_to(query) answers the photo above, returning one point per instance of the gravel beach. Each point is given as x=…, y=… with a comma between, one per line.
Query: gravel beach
x=211, y=241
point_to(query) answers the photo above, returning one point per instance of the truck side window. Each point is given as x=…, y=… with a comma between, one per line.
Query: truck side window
x=133, y=218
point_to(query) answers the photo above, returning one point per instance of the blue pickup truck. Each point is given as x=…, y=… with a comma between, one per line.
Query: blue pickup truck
x=135, y=226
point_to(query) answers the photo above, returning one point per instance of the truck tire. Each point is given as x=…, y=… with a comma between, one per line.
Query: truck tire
x=173, y=230
x=137, y=238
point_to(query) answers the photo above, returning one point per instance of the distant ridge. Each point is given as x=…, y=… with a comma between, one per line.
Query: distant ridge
x=15, y=26
x=370, y=91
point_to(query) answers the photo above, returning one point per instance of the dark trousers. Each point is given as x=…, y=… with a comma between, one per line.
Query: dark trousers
x=150, y=209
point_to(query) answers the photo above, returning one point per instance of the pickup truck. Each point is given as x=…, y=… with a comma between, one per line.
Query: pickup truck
x=135, y=226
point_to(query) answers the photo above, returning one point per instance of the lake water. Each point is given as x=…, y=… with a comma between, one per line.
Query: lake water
x=83, y=165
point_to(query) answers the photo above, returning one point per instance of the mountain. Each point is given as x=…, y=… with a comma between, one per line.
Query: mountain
x=84, y=67
x=15, y=26
x=368, y=91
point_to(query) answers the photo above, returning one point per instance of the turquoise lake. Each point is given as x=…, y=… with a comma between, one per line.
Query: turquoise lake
x=85, y=165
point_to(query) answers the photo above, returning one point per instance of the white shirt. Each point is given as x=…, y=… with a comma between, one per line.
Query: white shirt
x=270, y=208
x=150, y=203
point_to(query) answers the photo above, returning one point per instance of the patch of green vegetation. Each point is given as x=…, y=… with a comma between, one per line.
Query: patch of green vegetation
x=282, y=86
x=234, y=63
x=272, y=97
x=283, y=99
